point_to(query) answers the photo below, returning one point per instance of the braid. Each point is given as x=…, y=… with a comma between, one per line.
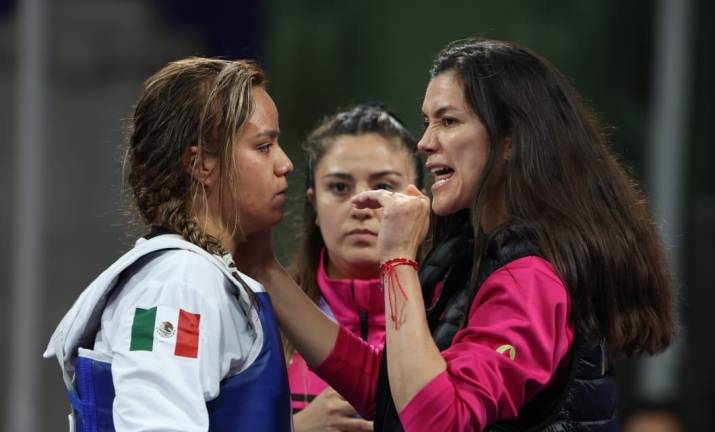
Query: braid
x=192, y=103
x=162, y=201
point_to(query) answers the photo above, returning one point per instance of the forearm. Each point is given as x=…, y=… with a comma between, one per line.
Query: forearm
x=310, y=331
x=352, y=369
x=413, y=358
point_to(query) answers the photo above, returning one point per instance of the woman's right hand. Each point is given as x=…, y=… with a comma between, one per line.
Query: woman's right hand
x=405, y=220
x=330, y=412
x=255, y=255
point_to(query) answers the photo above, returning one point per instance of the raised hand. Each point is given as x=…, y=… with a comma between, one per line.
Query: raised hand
x=405, y=220
x=255, y=255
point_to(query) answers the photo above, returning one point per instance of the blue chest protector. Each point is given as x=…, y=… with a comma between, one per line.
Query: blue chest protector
x=257, y=399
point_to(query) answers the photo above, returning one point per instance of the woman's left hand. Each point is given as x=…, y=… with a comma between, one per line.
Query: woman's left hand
x=405, y=220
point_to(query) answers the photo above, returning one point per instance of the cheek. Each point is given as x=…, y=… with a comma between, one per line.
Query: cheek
x=247, y=196
x=252, y=171
x=330, y=217
x=472, y=159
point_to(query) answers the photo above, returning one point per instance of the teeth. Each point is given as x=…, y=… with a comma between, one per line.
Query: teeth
x=441, y=171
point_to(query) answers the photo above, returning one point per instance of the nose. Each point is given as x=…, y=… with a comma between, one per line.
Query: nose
x=283, y=165
x=428, y=142
x=361, y=214
x=364, y=213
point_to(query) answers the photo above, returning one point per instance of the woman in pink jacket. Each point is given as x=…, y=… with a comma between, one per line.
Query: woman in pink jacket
x=361, y=148
x=545, y=264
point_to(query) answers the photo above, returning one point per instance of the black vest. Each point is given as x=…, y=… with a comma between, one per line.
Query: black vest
x=583, y=397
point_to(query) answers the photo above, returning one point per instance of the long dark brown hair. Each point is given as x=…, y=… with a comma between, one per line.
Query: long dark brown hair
x=362, y=119
x=564, y=183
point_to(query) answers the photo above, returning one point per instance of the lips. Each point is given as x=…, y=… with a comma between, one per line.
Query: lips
x=442, y=174
x=361, y=231
x=281, y=197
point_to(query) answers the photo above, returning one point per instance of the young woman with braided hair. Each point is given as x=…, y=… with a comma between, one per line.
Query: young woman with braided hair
x=172, y=336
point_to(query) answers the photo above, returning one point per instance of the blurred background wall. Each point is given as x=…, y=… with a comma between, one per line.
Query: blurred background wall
x=70, y=71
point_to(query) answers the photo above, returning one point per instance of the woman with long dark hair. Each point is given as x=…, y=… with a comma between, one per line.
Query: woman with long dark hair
x=546, y=263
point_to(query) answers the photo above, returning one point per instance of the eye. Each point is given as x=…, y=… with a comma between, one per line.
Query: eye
x=448, y=121
x=338, y=188
x=265, y=148
x=425, y=123
x=385, y=186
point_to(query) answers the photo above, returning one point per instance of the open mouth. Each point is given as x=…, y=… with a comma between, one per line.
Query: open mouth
x=442, y=174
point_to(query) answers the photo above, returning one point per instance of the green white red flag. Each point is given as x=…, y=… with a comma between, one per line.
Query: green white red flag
x=167, y=330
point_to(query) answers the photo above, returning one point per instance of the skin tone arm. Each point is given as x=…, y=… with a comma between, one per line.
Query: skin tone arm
x=294, y=310
x=413, y=358
x=295, y=313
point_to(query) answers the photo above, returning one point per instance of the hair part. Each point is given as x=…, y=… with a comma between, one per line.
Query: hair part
x=564, y=183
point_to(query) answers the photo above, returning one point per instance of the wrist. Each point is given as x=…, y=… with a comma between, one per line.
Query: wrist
x=389, y=265
x=395, y=292
x=384, y=257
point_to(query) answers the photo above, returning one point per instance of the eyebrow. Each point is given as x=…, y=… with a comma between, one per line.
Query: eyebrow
x=378, y=174
x=270, y=133
x=441, y=110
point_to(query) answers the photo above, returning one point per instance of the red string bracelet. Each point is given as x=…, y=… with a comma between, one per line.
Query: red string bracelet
x=390, y=280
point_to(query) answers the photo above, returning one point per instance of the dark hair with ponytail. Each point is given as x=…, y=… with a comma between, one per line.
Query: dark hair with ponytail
x=362, y=119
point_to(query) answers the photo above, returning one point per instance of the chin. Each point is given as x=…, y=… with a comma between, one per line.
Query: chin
x=278, y=219
x=443, y=209
x=450, y=205
x=274, y=218
x=263, y=222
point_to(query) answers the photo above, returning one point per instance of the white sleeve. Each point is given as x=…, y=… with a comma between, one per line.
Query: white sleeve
x=163, y=372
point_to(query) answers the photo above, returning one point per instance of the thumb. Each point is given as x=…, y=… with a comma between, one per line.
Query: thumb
x=413, y=191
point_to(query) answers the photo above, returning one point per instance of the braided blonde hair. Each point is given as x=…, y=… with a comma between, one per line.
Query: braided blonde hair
x=199, y=102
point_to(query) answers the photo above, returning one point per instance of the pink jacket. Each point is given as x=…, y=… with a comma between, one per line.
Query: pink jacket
x=518, y=336
x=358, y=306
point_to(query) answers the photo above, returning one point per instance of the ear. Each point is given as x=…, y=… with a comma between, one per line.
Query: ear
x=310, y=197
x=201, y=167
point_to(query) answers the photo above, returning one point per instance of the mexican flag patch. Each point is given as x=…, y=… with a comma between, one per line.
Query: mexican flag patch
x=165, y=329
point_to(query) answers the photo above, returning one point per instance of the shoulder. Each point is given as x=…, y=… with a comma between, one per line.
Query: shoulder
x=172, y=277
x=531, y=278
x=532, y=265
x=183, y=268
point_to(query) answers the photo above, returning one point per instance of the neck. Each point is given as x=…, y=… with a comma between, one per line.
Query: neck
x=208, y=226
x=492, y=218
x=494, y=212
x=336, y=270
